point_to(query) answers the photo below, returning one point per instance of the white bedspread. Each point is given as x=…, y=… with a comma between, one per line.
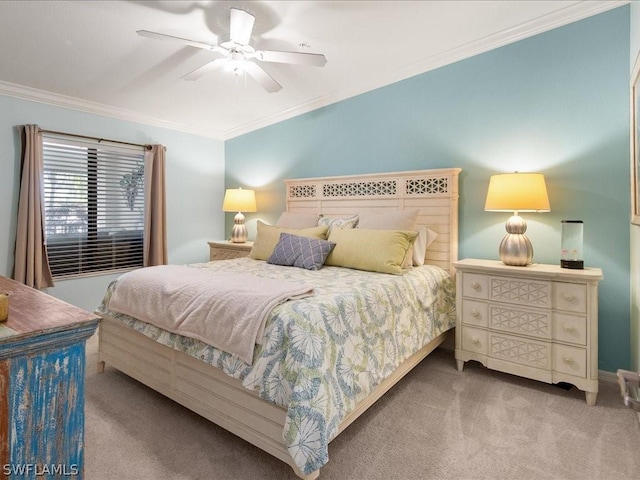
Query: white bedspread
x=223, y=309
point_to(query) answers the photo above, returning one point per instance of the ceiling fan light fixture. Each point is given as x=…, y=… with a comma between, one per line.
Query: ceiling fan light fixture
x=236, y=66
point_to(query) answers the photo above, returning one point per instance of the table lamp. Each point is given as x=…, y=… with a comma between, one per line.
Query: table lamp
x=239, y=200
x=517, y=192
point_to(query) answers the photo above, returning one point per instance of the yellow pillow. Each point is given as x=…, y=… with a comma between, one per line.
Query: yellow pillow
x=268, y=237
x=372, y=250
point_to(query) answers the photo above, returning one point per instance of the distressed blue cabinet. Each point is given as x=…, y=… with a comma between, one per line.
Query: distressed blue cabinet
x=42, y=368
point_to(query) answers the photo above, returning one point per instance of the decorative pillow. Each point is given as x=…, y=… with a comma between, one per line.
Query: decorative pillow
x=426, y=236
x=269, y=235
x=372, y=250
x=304, y=252
x=393, y=220
x=346, y=222
x=298, y=220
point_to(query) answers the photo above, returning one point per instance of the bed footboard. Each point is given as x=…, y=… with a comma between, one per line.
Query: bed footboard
x=210, y=393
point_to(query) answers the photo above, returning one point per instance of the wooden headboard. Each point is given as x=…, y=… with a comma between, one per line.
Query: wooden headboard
x=433, y=192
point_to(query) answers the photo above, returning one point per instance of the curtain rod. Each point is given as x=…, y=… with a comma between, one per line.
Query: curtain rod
x=145, y=146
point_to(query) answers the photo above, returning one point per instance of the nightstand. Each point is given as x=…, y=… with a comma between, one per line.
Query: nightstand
x=539, y=321
x=223, y=250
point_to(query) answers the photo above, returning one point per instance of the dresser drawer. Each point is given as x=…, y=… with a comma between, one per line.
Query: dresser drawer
x=570, y=328
x=570, y=360
x=571, y=297
x=533, y=293
x=225, y=254
x=223, y=250
x=474, y=313
x=474, y=340
x=519, y=350
x=522, y=321
x=475, y=285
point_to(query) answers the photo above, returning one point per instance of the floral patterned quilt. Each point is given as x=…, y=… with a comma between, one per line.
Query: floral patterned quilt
x=323, y=354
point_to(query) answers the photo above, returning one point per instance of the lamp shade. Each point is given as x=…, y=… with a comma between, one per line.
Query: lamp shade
x=523, y=192
x=239, y=200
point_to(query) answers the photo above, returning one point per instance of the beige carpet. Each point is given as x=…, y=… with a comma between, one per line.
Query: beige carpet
x=437, y=423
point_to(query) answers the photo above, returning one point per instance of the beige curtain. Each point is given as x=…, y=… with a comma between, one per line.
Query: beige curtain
x=155, y=235
x=31, y=265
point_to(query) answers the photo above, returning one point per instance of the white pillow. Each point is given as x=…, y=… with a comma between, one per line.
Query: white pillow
x=426, y=236
x=394, y=220
x=298, y=220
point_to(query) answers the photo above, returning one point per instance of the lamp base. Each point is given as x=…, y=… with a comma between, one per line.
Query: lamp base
x=515, y=248
x=239, y=231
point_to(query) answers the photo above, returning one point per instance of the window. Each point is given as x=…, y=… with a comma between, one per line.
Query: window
x=94, y=205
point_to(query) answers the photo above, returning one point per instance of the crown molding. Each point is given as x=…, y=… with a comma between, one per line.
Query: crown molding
x=565, y=16
x=64, y=101
x=573, y=13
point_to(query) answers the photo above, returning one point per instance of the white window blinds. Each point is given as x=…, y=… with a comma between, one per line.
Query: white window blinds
x=94, y=205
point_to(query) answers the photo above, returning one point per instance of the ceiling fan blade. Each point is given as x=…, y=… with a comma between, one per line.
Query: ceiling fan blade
x=241, y=26
x=171, y=38
x=298, y=58
x=262, y=77
x=204, y=69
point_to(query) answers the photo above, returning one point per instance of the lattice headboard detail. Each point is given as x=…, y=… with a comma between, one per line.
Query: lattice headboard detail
x=433, y=192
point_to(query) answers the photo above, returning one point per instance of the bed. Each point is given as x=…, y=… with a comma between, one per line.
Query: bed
x=292, y=401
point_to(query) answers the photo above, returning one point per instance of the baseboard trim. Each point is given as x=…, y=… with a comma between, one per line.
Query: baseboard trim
x=609, y=377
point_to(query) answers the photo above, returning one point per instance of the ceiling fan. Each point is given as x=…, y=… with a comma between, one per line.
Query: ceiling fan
x=238, y=53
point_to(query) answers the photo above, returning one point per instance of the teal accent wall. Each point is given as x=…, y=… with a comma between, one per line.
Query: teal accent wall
x=635, y=229
x=556, y=103
x=194, y=183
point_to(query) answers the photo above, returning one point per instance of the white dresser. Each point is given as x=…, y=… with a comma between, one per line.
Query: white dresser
x=539, y=321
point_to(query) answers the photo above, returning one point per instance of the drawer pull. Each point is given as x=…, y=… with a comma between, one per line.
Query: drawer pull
x=475, y=340
x=567, y=359
x=568, y=328
x=474, y=312
x=567, y=296
x=475, y=285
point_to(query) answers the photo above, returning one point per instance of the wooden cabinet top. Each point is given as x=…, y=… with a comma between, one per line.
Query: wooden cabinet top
x=32, y=313
x=231, y=246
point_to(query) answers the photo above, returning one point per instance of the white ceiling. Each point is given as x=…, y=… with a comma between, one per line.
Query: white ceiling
x=87, y=55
